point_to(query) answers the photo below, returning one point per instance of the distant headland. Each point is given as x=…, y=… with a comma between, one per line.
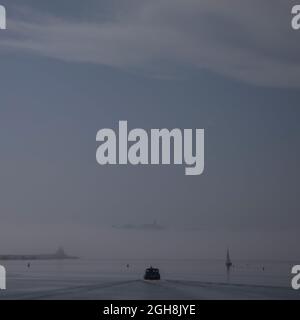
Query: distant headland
x=58, y=255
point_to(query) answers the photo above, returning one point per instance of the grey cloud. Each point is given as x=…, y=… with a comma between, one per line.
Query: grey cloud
x=251, y=41
x=147, y=226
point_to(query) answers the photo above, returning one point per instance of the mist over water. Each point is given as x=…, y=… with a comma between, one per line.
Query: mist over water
x=123, y=279
x=158, y=64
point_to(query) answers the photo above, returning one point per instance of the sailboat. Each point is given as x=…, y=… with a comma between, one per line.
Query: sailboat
x=228, y=262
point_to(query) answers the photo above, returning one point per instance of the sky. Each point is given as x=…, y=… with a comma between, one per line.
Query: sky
x=68, y=70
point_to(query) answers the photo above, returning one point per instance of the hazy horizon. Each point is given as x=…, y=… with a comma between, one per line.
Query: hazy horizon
x=67, y=72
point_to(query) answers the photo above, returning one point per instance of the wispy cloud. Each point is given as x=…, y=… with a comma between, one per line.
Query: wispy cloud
x=147, y=226
x=251, y=41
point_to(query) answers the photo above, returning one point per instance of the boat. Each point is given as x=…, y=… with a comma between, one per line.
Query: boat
x=228, y=262
x=152, y=274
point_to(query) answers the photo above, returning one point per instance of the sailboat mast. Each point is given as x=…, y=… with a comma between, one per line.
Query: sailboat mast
x=228, y=261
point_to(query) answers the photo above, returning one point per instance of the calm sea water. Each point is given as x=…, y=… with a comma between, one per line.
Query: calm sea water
x=264, y=273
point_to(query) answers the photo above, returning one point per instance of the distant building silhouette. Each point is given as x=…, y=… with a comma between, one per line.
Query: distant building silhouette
x=58, y=255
